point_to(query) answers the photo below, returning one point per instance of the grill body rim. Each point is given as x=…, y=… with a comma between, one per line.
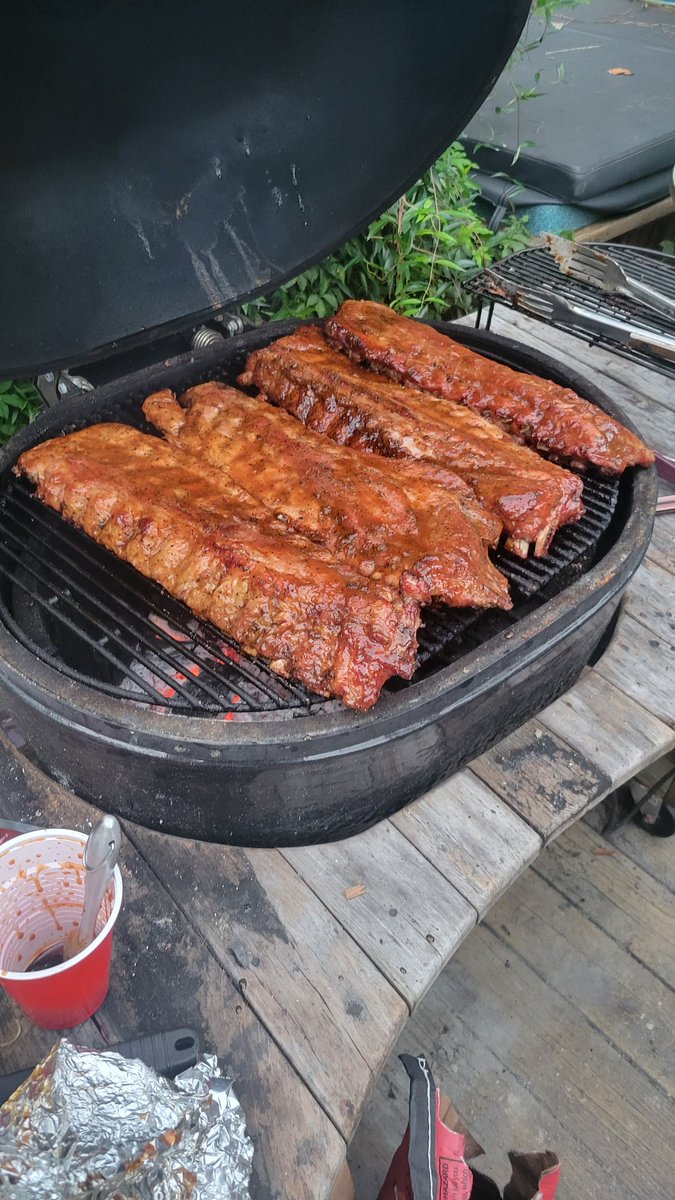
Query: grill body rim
x=86, y=724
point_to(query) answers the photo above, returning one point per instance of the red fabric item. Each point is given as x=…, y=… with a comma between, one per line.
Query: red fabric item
x=430, y=1163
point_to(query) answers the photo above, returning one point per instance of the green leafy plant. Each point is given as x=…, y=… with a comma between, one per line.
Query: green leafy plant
x=414, y=257
x=19, y=405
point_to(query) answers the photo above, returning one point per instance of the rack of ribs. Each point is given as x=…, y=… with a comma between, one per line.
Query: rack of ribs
x=277, y=595
x=356, y=407
x=543, y=414
x=419, y=530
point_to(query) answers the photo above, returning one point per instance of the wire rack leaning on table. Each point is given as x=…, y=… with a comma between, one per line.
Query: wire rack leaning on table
x=531, y=282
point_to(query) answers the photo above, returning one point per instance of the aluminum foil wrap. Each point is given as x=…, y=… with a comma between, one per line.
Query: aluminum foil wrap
x=96, y=1126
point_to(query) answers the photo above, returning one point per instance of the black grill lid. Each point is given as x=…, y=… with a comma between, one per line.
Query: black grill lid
x=162, y=162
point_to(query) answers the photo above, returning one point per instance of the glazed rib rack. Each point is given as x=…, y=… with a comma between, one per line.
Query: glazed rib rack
x=82, y=610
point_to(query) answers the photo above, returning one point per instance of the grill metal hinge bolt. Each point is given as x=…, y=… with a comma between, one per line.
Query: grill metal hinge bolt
x=55, y=386
x=205, y=338
x=232, y=323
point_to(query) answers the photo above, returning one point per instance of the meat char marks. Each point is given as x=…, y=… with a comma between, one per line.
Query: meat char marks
x=356, y=407
x=414, y=526
x=541, y=413
x=277, y=595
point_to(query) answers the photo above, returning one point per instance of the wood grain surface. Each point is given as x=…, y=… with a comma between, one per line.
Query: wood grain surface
x=163, y=975
x=650, y=599
x=600, y=877
x=552, y=1026
x=408, y=919
x=576, y=956
x=472, y=837
x=662, y=546
x=642, y=665
x=612, y=731
x=542, y=778
x=322, y=1000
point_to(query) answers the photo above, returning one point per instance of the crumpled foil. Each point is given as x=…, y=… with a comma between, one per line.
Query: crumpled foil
x=96, y=1126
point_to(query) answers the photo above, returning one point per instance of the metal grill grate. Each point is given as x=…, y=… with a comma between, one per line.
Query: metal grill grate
x=537, y=269
x=98, y=621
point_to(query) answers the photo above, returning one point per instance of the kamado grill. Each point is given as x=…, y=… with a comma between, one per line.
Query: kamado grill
x=171, y=212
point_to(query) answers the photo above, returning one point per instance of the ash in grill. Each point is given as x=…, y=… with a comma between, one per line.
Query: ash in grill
x=80, y=609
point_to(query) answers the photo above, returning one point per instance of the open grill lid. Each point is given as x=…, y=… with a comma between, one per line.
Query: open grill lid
x=161, y=163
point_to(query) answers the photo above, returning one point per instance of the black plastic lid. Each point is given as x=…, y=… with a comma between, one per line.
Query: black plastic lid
x=163, y=162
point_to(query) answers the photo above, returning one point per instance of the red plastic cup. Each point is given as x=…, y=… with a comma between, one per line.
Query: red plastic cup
x=41, y=899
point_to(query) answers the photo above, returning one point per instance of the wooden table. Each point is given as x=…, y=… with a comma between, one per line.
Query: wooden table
x=301, y=966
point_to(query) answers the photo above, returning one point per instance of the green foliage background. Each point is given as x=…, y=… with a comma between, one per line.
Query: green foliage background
x=414, y=257
x=19, y=404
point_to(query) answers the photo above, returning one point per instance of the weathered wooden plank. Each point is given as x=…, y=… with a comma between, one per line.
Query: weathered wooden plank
x=526, y=1068
x=164, y=976
x=541, y=778
x=473, y=1065
x=576, y=958
x=343, y=1188
x=662, y=546
x=409, y=920
x=643, y=666
x=22, y=1044
x=629, y=905
x=326, y=1005
x=471, y=836
x=612, y=731
x=654, y=855
x=615, y=227
x=163, y=970
x=617, y=1114
x=650, y=598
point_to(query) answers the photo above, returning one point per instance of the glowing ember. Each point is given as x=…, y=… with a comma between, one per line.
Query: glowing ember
x=165, y=627
x=228, y=652
x=188, y=660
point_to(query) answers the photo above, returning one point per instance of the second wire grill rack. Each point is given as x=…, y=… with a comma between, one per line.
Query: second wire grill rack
x=536, y=270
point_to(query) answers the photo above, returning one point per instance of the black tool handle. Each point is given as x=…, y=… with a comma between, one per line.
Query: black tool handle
x=166, y=1053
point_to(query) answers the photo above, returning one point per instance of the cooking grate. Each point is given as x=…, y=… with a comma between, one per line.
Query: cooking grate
x=98, y=621
x=537, y=269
